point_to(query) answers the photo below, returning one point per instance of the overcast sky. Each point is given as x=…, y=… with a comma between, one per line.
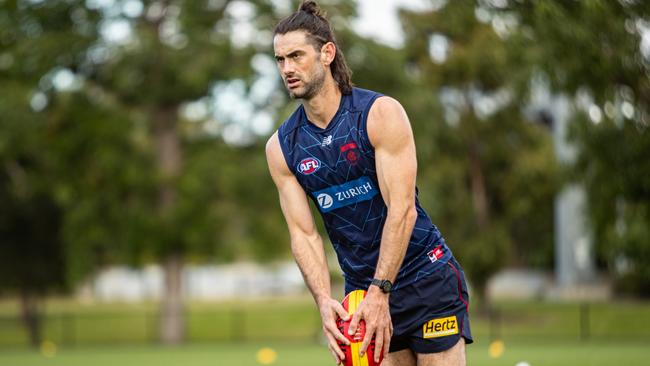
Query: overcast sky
x=378, y=18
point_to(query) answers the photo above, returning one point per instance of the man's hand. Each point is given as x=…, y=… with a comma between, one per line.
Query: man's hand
x=330, y=309
x=375, y=312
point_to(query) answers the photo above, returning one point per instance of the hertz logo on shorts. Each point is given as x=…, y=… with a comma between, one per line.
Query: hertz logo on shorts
x=440, y=327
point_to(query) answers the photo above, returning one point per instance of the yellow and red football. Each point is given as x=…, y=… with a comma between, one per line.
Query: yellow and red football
x=351, y=303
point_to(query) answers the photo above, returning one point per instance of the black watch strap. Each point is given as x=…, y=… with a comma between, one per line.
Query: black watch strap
x=385, y=285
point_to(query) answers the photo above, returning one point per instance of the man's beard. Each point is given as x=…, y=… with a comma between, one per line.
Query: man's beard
x=312, y=88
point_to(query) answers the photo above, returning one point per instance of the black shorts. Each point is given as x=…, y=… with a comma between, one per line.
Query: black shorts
x=431, y=315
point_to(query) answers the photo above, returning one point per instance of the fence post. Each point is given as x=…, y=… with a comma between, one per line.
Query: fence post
x=584, y=321
x=150, y=325
x=68, y=329
x=494, y=324
x=62, y=329
x=237, y=324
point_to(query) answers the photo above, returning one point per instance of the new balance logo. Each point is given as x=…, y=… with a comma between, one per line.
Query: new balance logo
x=326, y=141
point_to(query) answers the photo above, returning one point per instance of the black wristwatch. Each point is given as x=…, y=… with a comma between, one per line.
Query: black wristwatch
x=385, y=285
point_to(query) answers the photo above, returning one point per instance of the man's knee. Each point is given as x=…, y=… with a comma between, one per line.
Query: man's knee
x=400, y=358
x=454, y=356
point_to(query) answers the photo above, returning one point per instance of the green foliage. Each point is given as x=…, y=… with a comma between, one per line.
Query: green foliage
x=633, y=246
x=32, y=259
x=32, y=251
x=614, y=167
x=586, y=44
x=596, y=52
x=103, y=182
x=492, y=175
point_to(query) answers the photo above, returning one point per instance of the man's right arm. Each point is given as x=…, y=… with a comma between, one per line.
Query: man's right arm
x=306, y=243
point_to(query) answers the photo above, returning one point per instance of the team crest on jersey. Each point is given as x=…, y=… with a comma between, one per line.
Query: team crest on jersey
x=435, y=254
x=308, y=166
x=351, y=152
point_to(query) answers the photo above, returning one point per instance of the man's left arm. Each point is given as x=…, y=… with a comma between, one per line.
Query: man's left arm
x=390, y=134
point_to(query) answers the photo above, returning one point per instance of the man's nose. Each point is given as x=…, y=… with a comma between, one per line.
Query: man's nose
x=287, y=68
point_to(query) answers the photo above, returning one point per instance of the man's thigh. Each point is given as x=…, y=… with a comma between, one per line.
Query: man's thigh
x=455, y=356
x=404, y=357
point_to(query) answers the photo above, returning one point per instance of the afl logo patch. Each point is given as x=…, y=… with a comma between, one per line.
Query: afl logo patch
x=308, y=166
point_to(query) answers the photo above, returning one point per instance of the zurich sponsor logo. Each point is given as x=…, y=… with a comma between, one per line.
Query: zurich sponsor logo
x=348, y=193
x=308, y=166
x=325, y=200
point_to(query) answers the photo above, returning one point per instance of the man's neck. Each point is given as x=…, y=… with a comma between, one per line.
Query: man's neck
x=322, y=107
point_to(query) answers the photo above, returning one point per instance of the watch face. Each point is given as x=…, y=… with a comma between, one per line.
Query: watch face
x=386, y=286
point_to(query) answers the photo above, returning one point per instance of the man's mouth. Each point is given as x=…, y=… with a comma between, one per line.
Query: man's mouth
x=292, y=83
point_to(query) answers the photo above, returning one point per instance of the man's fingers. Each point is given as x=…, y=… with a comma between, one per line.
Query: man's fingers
x=379, y=342
x=334, y=347
x=354, y=323
x=334, y=331
x=336, y=357
x=386, y=347
x=370, y=333
x=341, y=312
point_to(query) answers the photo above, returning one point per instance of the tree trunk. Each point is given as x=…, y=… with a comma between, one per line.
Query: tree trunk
x=31, y=317
x=169, y=159
x=482, y=217
x=479, y=193
x=169, y=156
x=173, y=316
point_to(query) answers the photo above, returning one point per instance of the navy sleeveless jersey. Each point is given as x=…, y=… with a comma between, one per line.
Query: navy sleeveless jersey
x=336, y=168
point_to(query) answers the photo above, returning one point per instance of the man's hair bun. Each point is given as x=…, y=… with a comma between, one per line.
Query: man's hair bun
x=311, y=7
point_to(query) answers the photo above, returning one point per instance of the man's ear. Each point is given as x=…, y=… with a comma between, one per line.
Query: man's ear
x=328, y=53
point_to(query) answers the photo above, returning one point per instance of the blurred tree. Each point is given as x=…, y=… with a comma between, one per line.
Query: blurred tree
x=492, y=171
x=32, y=253
x=102, y=181
x=597, y=53
x=153, y=58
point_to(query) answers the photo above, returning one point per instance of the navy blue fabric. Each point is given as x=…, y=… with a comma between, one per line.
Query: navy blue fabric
x=336, y=168
x=440, y=296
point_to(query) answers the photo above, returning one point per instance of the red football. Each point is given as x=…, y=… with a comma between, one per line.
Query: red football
x=352, y=358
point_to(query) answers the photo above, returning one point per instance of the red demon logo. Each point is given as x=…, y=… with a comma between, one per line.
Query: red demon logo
x=308, y=166
x=350, y=152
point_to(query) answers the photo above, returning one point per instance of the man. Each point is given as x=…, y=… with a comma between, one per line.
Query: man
x=352, y=152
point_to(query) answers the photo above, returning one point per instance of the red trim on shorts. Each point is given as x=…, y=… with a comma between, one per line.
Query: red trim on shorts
x=460, y=296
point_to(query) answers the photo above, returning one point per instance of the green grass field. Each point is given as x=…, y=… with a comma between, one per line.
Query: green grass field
x=232, y=333
x=547, y=353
